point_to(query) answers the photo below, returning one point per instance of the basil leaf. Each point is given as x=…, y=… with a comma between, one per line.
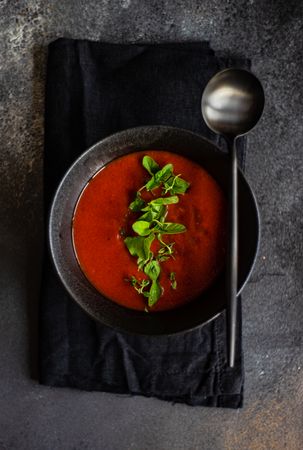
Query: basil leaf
x=141, y=227
x=152, y=184
x=153, y=212
x=160, y=213
x=148, y=216
x=154, y=293
x=150, y=165
x=140, y=246
x=170, y=228
x=164, y=173
x=135, y=246
x=165, y=200
x=180, y=186
x=152, y=269
x=175, y=185
x=147, y=244
x=137, y=204
x=159, y=177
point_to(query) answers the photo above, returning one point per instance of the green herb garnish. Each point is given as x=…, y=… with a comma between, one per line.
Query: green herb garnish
x=151, y=226
x=139, y=285
x=173, y=281
x=175, y=185
x=137, y=204
x=159, y=177
x=150, y=165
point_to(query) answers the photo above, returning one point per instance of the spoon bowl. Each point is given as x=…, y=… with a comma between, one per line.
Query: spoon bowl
x=232, y=102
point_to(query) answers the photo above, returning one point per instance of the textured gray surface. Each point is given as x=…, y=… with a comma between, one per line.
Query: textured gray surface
x=37, y=417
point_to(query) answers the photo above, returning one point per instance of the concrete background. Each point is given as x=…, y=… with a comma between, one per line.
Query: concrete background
x=38, y=417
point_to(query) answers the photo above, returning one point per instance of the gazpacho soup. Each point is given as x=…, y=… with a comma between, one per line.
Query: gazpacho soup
x=149, y=230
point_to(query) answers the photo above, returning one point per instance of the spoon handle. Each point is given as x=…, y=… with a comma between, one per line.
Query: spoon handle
x=232, y=262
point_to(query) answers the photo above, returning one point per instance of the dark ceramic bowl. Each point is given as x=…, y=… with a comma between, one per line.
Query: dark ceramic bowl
x=211, y=302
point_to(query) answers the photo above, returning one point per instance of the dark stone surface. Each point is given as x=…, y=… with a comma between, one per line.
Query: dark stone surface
x=37, y=417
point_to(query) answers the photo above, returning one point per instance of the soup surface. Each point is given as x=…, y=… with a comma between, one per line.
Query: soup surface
x=102, y=219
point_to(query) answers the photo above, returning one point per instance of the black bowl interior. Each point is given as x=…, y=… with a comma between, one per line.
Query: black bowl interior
x=188, y=144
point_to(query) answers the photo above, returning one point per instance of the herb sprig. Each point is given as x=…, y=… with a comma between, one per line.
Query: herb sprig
x=151, y=226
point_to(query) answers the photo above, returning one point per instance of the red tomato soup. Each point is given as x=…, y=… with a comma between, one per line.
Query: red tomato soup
x=102, y=219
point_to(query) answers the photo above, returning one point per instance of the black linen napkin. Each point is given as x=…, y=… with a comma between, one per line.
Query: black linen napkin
x=93, y=90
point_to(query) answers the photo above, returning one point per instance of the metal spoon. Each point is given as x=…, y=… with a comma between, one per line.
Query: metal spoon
x=232, y=104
